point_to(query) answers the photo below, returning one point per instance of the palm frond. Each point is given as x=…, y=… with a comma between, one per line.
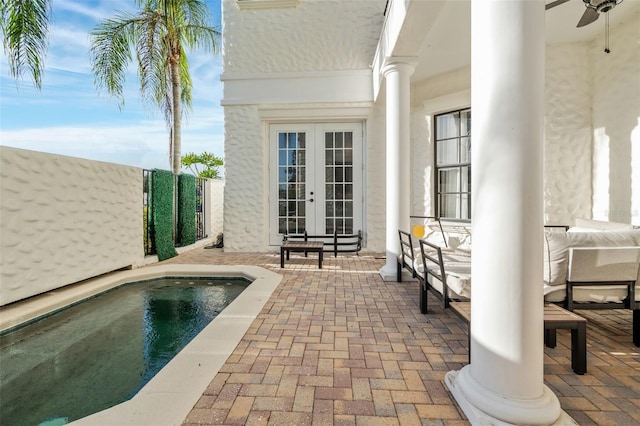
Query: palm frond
x=111, y=52
x=201, y=37
x=185, y=81
x=25, y=27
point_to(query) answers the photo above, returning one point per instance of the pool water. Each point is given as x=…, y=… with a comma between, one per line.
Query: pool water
x=101, y=352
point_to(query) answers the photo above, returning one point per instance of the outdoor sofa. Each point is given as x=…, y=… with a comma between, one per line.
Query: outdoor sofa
x=593, y=265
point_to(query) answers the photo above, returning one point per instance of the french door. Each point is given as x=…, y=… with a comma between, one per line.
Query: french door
x=316, y=179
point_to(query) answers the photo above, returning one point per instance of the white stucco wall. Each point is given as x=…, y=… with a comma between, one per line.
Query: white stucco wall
x=376, y=180
x=64, y=220
x=214, y=208
x=246, y=180
x=302, y=38
x=616, y=125
x=567, y=149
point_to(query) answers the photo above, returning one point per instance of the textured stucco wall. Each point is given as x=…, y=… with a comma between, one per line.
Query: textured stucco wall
x=302, y=38
x=246, y=177
x=64, y=220
x=567, y=155
x=376, y=180
x=215, y=208
x=616, y=125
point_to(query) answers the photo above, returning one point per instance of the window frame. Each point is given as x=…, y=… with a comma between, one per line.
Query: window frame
x=459, y=165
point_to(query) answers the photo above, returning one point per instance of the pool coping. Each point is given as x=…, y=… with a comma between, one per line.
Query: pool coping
x=169, y=397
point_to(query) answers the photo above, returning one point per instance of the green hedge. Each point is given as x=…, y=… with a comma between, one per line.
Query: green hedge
x=162, y=190
x=186, y=209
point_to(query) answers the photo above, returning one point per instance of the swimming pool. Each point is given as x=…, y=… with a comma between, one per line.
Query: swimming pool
x=169, y=396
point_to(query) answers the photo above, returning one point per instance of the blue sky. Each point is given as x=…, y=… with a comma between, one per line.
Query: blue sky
x=69, y=116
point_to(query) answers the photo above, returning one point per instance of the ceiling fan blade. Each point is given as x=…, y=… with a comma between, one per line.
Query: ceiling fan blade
x=590, y=15
x=554, y=4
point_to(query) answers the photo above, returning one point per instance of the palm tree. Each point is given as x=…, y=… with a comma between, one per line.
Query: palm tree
x=25, y=27
x=158, y=35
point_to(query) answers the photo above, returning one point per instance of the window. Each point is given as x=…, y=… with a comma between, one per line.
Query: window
x=453, y=164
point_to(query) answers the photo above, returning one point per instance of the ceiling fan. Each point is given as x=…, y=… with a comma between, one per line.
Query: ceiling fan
x=593, y=9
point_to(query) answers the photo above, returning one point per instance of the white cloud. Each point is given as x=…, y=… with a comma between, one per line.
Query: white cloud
x=96, y=10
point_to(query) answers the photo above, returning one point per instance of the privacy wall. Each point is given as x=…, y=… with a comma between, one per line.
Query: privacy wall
x=64, y=220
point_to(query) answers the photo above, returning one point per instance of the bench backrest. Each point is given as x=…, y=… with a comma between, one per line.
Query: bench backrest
x=407, y=253
x=334, y=243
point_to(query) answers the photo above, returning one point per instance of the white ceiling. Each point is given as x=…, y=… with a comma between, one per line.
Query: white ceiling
x=439, y=54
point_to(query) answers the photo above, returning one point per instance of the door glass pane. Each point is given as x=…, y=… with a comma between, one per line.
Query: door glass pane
x=348, y=174
x=291, y=179
x=328, y=226
x=328, y=157
x=328, y=174
x=348, y=208
x=329, y=192
x=328, y=140
x=339, y=171
x=329, y=211
x=348, y=226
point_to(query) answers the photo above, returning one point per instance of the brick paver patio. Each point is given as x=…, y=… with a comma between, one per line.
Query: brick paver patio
x=339, y=346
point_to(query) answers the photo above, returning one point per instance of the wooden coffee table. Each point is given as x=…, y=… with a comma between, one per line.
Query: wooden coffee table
x=301, y=246
x=555, y=318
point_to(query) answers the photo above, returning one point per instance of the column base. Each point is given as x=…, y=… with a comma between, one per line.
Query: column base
x=501, y=411
x=388, y=271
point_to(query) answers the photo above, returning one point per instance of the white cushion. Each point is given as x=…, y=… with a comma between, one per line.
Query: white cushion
x=457, y=267
x=557, y=244
x=601, y=225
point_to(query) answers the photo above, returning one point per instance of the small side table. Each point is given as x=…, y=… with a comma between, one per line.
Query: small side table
x=301, y=246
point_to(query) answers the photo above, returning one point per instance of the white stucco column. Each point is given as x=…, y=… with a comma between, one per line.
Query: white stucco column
x=397, y=72
x=504, y=384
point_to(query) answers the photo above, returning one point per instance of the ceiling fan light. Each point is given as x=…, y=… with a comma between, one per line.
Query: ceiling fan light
x=601, y=6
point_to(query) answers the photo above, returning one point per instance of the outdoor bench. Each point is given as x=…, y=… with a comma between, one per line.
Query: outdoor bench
x=555, y=318
x=332, y=243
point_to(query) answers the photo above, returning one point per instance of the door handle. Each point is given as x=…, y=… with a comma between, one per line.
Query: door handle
x=311, y=200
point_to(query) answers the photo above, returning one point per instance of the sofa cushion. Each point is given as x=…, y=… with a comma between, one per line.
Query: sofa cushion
x=601, y=225
x=557, y=244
